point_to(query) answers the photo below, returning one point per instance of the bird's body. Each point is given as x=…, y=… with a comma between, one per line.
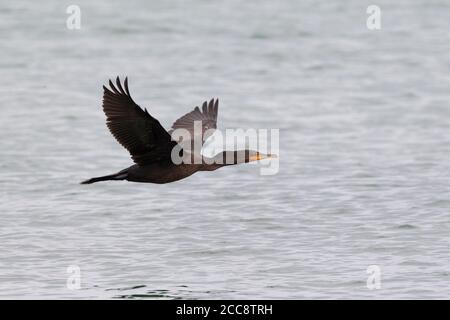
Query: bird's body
x=160, y=158
x=161, y=172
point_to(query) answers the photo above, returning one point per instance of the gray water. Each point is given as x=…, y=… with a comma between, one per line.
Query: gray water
x=364, y=125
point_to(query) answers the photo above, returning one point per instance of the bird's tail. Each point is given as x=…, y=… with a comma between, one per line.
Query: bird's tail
x=117, y=176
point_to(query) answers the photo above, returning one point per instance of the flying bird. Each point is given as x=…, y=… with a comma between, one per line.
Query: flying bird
x=153, y=149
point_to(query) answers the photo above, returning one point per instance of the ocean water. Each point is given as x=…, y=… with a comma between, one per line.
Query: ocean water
x=364, y=122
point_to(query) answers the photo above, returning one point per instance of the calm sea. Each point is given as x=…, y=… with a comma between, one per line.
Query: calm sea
x=364, y=124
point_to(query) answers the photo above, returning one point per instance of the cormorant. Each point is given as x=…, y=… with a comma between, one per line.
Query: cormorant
x=151, y=146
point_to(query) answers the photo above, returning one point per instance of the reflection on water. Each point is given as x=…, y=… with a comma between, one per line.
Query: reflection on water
x=152, y=294
x=181, y=292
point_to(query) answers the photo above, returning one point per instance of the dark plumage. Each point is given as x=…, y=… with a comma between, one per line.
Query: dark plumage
x=151, y=146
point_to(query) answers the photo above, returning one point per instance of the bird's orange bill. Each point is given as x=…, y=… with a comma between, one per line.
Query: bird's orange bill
x=261, y=156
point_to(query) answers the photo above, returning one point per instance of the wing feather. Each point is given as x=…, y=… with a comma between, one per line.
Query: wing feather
x=207, y=115
x=135, y=129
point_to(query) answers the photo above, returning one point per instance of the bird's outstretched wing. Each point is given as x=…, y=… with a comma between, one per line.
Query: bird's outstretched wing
x=207, y=116
x=135, y=129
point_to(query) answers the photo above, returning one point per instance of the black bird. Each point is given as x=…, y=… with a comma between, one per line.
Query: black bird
x=152, y=147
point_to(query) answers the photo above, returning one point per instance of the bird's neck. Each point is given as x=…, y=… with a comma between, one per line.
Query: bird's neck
x=225, y=158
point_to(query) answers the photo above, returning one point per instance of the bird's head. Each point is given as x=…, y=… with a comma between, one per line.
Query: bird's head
x=242, y=156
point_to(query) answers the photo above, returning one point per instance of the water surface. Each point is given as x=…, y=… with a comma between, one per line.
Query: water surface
x=364, y=147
